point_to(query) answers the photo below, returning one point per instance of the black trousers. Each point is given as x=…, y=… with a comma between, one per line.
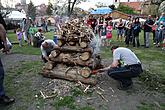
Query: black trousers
x=125, y=74
x=2, y=92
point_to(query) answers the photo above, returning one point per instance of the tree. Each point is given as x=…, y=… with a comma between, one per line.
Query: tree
x=112, y=7
x=125, y=9
x=49, y=9
x=72, y=4
x=31, y=12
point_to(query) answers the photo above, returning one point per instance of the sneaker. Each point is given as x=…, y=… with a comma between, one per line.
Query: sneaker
x=6, y=100
x=121, y=87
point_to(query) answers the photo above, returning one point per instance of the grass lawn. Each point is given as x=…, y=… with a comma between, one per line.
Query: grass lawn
x=152, y=59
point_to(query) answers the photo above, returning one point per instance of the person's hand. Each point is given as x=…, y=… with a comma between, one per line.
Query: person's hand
x=5, y=49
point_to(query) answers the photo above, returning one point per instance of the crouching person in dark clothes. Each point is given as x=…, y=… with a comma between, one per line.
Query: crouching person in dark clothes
x=46, y=47
x=124, y=74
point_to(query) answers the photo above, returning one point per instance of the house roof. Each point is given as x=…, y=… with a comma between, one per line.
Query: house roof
x=135, y=5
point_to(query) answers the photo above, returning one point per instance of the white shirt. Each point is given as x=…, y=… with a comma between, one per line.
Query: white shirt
x=51, y=45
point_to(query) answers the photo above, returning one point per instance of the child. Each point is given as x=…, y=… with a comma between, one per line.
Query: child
x=103, y=34
x=128, y=33
x=108, y=34
x=19, y=36
x=161, y=32
x=32, y=31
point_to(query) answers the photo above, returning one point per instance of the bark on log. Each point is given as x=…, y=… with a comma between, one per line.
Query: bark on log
x=48, y=66
x=73, y=49
x=61, y=75
x=71, y=61
x=60, y=43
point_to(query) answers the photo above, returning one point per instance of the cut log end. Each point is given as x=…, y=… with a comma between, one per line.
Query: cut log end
x=83, y=44
x=85, y=56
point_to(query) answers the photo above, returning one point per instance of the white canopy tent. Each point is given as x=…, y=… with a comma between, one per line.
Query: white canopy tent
x=16, y=15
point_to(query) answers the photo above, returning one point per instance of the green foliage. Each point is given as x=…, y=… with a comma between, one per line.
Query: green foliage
x=112, y=7
x=125, y=9
x=49, y=9
x=31, y=10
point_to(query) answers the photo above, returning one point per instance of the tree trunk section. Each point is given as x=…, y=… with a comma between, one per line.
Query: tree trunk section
x=85, y=56
x=72, y=76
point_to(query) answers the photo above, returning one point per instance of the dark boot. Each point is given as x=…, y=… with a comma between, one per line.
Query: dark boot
x=6, y=100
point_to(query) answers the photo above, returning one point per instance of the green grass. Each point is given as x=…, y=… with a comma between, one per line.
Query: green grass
x=28, y=50
x=20, y=82
x=145, y=106
x=153, y=76
x=69, y=102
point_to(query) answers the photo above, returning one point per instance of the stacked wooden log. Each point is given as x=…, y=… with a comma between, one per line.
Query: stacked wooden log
x=73, y=59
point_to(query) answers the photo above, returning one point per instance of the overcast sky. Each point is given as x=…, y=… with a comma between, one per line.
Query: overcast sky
x=38, y=2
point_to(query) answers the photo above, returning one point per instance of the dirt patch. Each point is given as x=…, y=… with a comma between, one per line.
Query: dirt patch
x=29, y=86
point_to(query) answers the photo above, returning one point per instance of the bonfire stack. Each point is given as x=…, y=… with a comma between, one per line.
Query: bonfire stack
x=73, y=59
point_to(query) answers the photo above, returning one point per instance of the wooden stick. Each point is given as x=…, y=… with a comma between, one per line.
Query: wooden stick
x=102, y=96
x=48, y=97
x=100, y=89
x=44, y=97
x=86, y=88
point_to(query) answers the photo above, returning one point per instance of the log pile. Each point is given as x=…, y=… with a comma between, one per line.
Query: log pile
x=73, y=59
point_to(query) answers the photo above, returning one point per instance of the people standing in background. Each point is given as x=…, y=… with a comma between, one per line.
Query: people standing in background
x=32, y=31
x=120, y=30
x=43, y=24
x=161, y=26
x=25, y=28
x=128, y=34
x=108, y=34
x=136, y=29
x=148, y=29
x=103, y=35
x=155, y=26
x=100, y=24
x=19, y=36
x=94, y=24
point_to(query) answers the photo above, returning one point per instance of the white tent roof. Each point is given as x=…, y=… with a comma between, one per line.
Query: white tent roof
x=16, y=15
